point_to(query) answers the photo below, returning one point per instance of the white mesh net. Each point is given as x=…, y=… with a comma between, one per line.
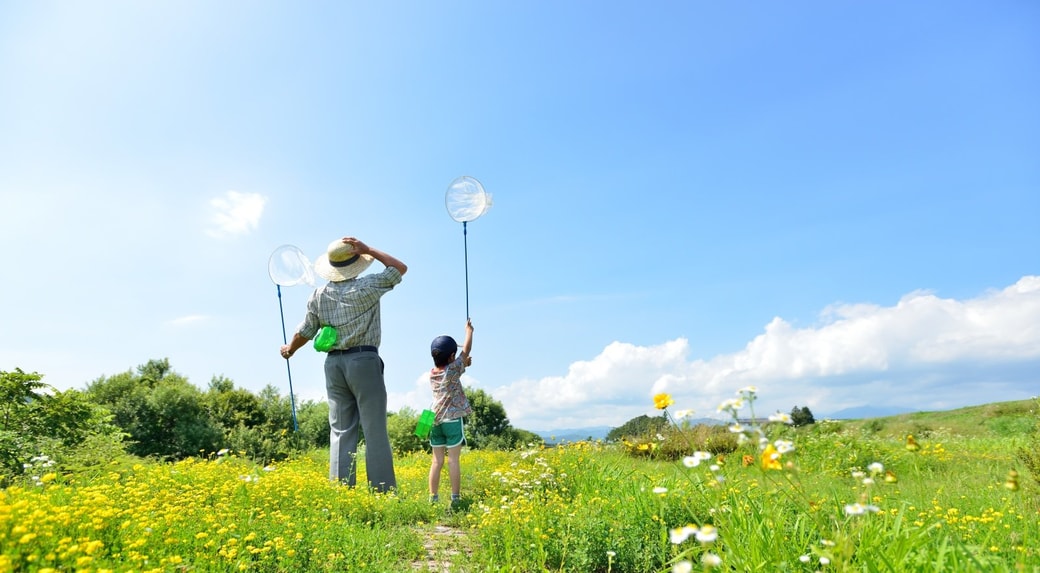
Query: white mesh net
x=466, y=199
x=288, y=266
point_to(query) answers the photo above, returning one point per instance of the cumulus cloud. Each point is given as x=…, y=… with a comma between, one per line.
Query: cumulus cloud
x=236, y=213
x=922, y=353
x=188, y=320
x=419, y=396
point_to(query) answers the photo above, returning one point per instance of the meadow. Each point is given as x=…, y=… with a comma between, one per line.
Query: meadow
x=943, y=492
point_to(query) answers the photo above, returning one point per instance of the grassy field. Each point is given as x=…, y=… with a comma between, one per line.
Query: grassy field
x=918, y=492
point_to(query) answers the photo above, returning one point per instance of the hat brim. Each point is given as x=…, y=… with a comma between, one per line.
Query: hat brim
x=325, y=270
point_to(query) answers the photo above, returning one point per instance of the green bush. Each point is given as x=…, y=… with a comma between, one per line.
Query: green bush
x=62, y=430
x=401, y=427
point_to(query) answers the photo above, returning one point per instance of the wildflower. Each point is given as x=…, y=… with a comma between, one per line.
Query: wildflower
x=680, y=534
x=860, y=509
x=784, y=446
x=682, y=567
x=747, y=460
x=911, y=443
x=747, y=390
x=736, y=428
x=1012, y=480
x=663, y=400
x=875, y=468
x=824, y=561
x=696, y=459
x=855, y=509
x=731, y=405
x=781, y=418
x=707, y=533
x=681, y=414
x=804, y=558
x=660, y=490
x=711, y=560
x=611, y=554
x=890, y=477
x=660, y=438
x=223, y=452
x=771, y=459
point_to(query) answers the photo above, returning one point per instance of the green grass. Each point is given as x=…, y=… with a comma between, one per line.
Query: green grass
x=587, y=507
x=996, y=420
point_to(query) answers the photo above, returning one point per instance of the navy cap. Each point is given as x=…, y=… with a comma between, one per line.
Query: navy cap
x=443, y=346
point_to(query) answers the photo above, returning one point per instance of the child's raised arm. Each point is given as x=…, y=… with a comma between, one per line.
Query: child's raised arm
x=468, y=345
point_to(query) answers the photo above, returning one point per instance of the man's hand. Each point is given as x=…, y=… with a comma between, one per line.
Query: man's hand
x=359, y=247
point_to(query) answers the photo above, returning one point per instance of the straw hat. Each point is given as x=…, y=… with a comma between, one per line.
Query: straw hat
x=340, y=263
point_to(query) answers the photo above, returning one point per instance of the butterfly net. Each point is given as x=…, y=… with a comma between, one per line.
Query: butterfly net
x=466, y=199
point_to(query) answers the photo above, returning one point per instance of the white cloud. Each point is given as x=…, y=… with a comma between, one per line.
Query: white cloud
x=189, y=319
x=925, y=352
x=236, y=213
x=419, y=397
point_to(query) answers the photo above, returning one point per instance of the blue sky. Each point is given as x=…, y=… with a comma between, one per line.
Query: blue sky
x=834, y=202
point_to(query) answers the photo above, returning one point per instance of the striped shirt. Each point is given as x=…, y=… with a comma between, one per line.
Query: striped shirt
x=351, y=307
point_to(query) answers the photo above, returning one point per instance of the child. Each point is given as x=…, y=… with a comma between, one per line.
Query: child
x=449, y=407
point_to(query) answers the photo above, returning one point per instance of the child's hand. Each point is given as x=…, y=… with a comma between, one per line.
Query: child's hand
x=469, y=325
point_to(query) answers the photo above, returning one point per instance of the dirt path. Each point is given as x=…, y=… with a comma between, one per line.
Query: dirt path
x=443, y=543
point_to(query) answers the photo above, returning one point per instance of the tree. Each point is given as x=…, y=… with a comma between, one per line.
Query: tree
x=640, y=426
x=163, y=414
x=401, y=427
x=231, y=406
x=801, y=416
x=488, y=418
x=313, y=420
x=260, y=426
x=64, y=428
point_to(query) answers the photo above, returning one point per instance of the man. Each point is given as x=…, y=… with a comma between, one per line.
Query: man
x=353, y=368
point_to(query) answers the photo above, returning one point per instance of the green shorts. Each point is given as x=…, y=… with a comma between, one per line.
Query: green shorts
x=447, y=434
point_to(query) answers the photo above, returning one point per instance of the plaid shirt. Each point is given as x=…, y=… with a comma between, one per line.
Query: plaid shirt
x=352, y=307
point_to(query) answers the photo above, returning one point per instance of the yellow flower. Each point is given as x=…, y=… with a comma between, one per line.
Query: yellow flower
x=911, y=443
x=771, y=459
x=1012, y=481
x=662, y=401
x=890, y=477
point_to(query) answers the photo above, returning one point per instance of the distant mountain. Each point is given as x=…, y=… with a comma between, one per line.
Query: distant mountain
x=861, y=412
x=574, y=434
x=600, y=432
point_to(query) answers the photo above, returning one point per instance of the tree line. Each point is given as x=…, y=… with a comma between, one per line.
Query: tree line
x=154, y=412
x=651, y=425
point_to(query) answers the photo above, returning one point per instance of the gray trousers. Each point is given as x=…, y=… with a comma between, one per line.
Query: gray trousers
x=357, y=399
